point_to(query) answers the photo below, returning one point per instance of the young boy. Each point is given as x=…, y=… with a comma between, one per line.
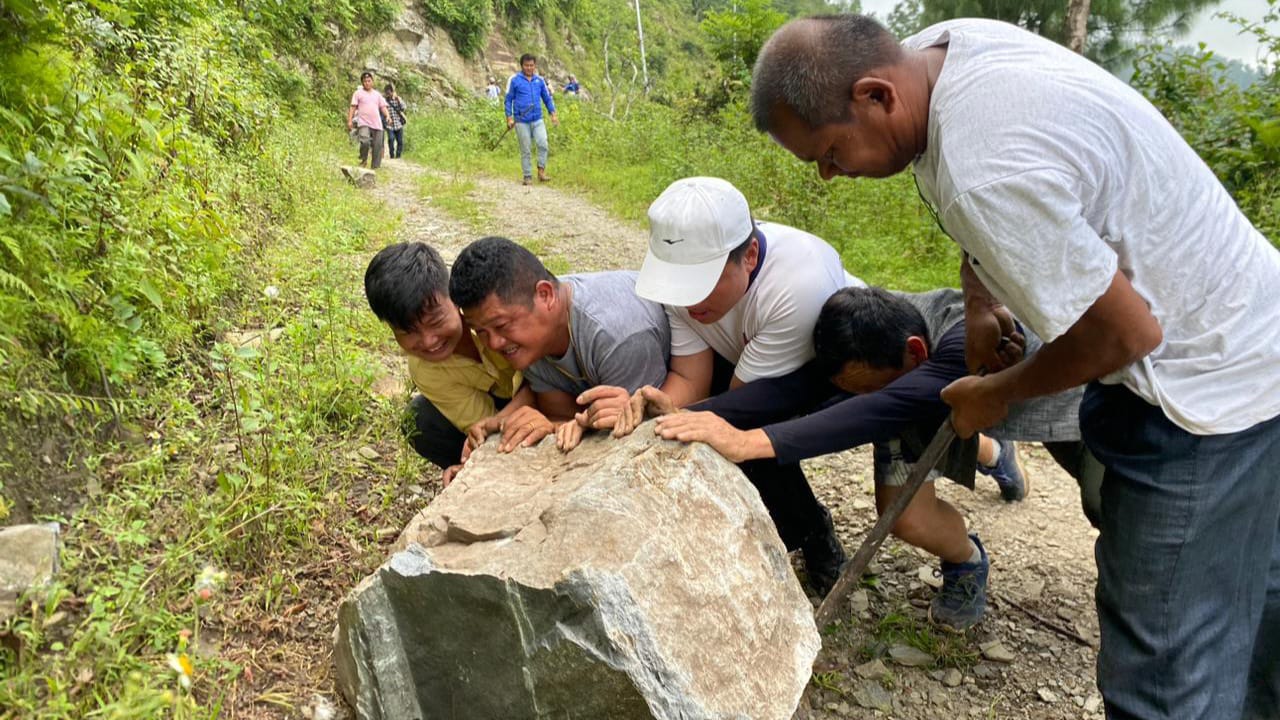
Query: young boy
x=894, y=353
x=460, y=381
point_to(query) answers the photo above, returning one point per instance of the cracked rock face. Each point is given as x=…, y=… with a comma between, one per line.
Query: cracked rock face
x=631, y=578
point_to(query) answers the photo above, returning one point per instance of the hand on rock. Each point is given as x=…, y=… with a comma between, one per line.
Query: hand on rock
x=604, y=404
x=524, y=428
x=569, y=434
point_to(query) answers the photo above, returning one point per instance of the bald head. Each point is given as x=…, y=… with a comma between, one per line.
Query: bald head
x=810, y=65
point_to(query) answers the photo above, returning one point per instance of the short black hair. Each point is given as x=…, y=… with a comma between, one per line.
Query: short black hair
x=810, y=65
x=405, y=281
x=389, y=88
x=496, y=266
x=366, y=74
x=736, y=254
x=526, y=58
x=865, y=325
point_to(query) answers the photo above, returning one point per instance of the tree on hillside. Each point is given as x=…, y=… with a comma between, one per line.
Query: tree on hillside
x=1112, y=29
x=736, y=34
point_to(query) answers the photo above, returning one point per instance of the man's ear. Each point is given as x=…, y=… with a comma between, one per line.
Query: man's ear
x=871, y=91
x=917, y=351
x=544, y=294
x=751, y=258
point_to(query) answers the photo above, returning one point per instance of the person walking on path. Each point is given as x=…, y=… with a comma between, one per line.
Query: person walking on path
x=365, y=117
x=526, y=94
x=395, y=122
x=1084, y=211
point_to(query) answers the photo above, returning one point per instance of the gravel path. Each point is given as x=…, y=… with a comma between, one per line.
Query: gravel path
x=1042, y=570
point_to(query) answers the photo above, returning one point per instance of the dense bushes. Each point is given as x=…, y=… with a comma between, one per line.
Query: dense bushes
x=1236, y=130
x=129, y=175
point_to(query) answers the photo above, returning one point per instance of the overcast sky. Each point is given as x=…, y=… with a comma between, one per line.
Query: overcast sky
x=1219, y=35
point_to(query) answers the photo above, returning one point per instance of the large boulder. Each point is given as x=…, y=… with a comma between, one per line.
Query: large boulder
x=631, y=578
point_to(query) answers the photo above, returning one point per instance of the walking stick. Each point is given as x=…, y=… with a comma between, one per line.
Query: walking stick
x=853, y=570
x=501, y=138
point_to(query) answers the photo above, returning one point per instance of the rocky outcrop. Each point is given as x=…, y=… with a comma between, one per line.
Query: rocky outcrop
x=632, y=578
x=358, y=176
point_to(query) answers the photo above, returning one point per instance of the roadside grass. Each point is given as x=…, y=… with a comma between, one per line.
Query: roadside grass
x=270, y=462
x=904, y=628
x=881, y=228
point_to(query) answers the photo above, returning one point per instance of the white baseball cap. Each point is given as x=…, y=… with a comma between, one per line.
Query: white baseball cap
x=693, y=226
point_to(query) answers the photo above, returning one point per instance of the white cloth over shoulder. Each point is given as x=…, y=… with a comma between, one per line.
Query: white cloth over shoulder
x=770, y=331
x=1053, y=175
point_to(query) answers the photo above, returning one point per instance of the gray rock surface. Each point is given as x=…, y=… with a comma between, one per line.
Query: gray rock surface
x=910, y=656
x=28, y=559
x=631, y=578
x=360, y=177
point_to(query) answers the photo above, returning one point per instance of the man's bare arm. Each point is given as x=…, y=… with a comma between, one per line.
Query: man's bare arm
x=1116, y=331
x=689, y=379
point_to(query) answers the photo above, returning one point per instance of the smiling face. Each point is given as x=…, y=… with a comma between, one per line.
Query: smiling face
x=523, y=334
x=436, y=334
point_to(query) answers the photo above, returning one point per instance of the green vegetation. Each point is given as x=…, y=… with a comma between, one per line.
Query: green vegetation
x=1112, y=26
x=167, y=180
x=1235, y=129
x=163, y=180
x=883, y=231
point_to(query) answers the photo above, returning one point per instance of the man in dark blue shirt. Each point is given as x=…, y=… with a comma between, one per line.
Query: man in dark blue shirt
x=892, y=355
x=526, y=94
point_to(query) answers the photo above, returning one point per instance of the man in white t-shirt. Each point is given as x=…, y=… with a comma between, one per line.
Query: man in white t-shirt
x=742, y=299
x=1084, y=211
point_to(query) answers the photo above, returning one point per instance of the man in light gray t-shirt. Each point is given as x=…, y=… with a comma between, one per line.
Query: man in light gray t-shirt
x=584, y=342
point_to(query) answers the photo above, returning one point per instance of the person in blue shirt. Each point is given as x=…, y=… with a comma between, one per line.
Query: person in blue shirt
x=572, y=87
x=526, y=94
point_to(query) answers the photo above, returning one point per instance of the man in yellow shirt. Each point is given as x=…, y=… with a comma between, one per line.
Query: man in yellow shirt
x=459, y=379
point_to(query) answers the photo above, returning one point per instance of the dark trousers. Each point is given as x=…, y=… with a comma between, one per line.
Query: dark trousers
x=1188, y=564
x=784, y=489
x=431, y=433
x=395, y=142
x=371, y=149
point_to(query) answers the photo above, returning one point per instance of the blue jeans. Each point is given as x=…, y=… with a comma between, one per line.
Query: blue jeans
x=527, y=134
x=395, y=142
x=1188, y=564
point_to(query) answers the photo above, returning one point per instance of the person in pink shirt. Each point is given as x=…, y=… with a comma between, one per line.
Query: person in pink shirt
x=365, y=117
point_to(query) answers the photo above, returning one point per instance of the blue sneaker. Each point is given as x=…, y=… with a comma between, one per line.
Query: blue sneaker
x=960, y=603
x=1006, y=472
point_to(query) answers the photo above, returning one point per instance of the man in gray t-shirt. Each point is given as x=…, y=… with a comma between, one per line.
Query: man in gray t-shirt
x=615, y=338
x=585, y=342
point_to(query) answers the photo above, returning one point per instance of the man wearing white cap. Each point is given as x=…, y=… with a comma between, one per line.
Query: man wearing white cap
x=742, y=298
